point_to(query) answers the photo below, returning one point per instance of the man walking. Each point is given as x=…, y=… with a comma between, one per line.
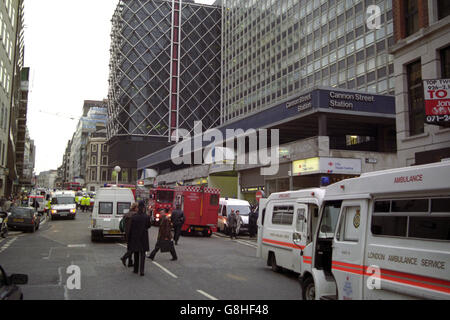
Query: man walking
x=232, y=223
x=178, y=221
x=138, y=237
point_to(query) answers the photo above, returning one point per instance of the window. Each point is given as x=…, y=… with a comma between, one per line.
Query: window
x=93, y=148
x=93, y=160
x=416, y=100
x=443, y=7
x=411, y=17
x=350, y=224
x=412, y=218
x=283, y=215
x=214, y=199
x=105, y=148
x=105, y=208
x=105, y=161
x=445, y=62
x=122, y=206
x=329, y=219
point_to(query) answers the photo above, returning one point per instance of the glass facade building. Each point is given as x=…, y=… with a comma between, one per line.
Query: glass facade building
x=274, y=49
x=164, y=68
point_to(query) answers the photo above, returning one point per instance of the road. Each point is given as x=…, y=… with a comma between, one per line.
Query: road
x=206, y=269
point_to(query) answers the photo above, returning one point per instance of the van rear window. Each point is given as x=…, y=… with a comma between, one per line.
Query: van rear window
x=105, y=208
x=121, y=206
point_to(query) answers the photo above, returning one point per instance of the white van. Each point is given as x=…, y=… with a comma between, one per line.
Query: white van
x=109, y=206
x=63, y=205
x=225, y=207
x=286, y=225
x=384, y=235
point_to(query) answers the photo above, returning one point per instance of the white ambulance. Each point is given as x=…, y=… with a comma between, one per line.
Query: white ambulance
x=384, y=235
x=286, y=225
x=110, y=205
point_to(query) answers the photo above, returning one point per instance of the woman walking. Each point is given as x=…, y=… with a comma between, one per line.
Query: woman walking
x=164, y=240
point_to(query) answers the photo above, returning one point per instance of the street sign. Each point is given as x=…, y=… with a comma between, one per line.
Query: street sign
x=259, y=195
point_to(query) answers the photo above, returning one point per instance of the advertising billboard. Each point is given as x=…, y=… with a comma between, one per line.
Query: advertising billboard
x=437, y=101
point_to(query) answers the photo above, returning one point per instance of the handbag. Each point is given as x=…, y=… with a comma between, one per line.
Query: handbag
x=165, y=245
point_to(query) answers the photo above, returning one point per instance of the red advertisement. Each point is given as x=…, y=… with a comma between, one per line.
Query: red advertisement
x=437, y=101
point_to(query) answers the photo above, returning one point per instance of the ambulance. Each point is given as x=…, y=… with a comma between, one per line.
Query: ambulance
x=286, y=225
x=384, y=235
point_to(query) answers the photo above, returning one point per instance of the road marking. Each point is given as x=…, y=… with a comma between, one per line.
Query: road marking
x=7, y=244
x=247, y=244
x=76, y=246
x=165, y=270
x=207, y=295
x=123, y=245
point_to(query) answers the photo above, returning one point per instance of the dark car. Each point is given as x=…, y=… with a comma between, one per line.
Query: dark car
x=8, y=285
x=21, y=218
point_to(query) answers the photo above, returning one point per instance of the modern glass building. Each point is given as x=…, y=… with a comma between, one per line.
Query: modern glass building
x=164, y=74
x=274, y=49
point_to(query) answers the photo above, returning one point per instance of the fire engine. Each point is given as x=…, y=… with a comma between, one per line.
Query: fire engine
x=200, y=206
x=160, y=203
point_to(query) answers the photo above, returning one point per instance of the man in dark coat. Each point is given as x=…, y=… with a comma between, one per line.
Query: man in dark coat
x=178, y=221
x=138, y=237
x=232, y=223
x=252, y=222
x=127, y=220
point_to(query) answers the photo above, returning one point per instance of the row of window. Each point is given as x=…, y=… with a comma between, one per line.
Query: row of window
x=107, y=208
x=427, y=218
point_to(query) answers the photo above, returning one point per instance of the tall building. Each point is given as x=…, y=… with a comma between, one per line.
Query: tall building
x=98, y=170
x=11, y=62
x=164, y=75
x=273, y=49
x=315, y=71
x=94, y=113
x=422, y=52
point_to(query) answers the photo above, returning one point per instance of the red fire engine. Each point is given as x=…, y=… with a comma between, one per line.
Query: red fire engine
x=200, y=206
x=160, y=202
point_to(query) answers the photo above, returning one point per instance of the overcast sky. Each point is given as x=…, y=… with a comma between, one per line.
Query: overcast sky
x=67, y=49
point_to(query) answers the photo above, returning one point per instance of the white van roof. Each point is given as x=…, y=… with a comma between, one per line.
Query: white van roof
x=236, y=202
x=296, y=194
x=64, y=193
x=429, y=177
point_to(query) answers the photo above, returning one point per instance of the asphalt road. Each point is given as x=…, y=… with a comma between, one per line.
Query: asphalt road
x=206, y=269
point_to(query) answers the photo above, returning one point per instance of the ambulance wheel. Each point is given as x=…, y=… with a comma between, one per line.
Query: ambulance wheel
x=273, y=263
x=309, y=289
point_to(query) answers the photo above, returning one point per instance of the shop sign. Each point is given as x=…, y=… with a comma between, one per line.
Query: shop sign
x=326, y=165
x=309, y=166
x=437, y=101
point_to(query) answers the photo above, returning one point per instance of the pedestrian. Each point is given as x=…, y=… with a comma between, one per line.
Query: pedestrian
x=232, y=223
x=138, y=237
x=252, y=222
x=127, y=221
x=177, y=221
x=164, y=242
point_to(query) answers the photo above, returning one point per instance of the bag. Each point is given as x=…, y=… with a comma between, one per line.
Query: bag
x=122, y=225
x=165, y=245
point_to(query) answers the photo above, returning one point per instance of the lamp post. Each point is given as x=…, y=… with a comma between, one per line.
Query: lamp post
x=117, y=170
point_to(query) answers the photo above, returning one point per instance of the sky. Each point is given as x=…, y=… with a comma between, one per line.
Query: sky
x=67, y=49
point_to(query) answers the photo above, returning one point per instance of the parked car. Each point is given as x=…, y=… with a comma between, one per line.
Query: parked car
x=8, y=285
x=23, y=218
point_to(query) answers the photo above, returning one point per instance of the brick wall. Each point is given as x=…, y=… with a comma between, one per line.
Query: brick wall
x=398, y=8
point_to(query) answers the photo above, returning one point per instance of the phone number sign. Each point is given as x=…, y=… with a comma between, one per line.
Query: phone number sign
x=437, y=101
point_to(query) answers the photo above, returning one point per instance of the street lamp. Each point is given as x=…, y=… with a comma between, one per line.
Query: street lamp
x=117, y=170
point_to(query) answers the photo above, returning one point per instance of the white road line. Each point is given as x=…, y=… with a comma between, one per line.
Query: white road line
x=123, y=245
x=165, y=270
x=247, y=244
x=207, y=295
x=76, y=246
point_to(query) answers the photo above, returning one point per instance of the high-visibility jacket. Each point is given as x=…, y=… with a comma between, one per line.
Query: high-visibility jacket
x=88, y=201
x=49, y=204
x=77, y=199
